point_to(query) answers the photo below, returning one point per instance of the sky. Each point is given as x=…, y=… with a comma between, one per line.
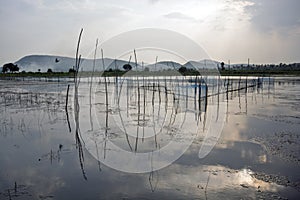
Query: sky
x=266, y=31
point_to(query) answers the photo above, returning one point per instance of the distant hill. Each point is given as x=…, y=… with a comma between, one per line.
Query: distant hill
x=163, y=65
x=203, y=64
x=62, y=64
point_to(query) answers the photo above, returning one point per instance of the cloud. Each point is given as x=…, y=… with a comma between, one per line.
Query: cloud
x=270, y=15
x=179, y=16
x=153, y=1
x=52, y=26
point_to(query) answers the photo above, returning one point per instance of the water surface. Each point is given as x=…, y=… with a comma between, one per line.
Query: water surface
x=45, y=155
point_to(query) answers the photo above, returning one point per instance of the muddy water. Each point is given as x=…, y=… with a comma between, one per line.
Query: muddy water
x=45, y=155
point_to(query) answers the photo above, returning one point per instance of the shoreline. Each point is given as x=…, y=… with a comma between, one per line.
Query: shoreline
x=121, y=73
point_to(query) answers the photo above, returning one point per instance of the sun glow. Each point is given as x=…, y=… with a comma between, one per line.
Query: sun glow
x=202, y=10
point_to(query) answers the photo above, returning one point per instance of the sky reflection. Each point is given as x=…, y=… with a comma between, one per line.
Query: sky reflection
x=39, y=154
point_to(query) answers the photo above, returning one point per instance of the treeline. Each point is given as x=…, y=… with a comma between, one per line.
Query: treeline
x=281, y=66
x=11, y=69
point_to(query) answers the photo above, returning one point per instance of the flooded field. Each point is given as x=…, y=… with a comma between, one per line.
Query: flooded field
x=150, y=138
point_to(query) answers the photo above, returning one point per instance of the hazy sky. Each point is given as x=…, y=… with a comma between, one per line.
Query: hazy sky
x=264, y=30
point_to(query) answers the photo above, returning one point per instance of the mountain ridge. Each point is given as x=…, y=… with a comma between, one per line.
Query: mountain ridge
x=56, y=63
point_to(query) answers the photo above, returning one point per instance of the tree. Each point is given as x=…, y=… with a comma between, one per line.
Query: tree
x=127, y=67
x=182, y=70
x=49, y=70
x=72, y=70
x=14, y=68
x=11, y=67
x=4, y=69
x=222, y=65
x=146, y=69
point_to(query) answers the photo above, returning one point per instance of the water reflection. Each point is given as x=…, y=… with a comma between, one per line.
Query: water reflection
x=49, y=163
x=146, y=114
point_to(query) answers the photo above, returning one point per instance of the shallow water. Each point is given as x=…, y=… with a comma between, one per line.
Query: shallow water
x=45, y=153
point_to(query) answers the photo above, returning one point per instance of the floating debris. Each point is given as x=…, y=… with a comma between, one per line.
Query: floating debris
x=280, y=180
x=244, y=186
x=283, y=144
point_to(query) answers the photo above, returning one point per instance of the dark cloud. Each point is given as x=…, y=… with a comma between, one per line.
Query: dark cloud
x=268, y=15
